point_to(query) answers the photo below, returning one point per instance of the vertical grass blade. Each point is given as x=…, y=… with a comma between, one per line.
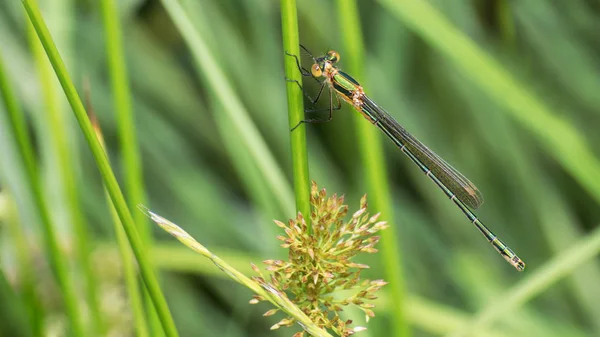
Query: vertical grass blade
x=134, y=184
x=371, y=152
x=105, y=170
x=291, y=42
x=129, y=270
x=58, y=260
x=130, y=275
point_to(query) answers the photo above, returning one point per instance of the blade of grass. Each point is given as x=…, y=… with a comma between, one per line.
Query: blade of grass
x=129, y=272
x=122, y=100
x=291, y=44
x=104, y=167
x=209, y=69
x=58, y=260
x=134, y=185
x=262, y=289
x=534, y=284
x=130, y=275
x=371, y=151
x=53, y=120
x=486, y=284
x=570, y=149
x=439, y=319
x=125, y=118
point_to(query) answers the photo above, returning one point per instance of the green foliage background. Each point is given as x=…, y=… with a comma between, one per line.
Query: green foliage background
x=506, y=91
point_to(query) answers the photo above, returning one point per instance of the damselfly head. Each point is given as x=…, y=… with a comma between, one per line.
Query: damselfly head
x=333, y=56
x=324, y=63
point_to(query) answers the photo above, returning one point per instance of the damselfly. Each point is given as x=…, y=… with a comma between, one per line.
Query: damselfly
x=456, y=186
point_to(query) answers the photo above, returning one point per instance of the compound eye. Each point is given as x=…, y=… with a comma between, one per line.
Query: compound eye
x=316, y=70
x=333, y=56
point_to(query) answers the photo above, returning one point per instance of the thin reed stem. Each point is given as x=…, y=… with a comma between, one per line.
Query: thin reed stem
x=291, y=42
x=134, y=182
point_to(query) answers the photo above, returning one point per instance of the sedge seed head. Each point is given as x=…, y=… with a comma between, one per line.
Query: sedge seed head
x=321, y=261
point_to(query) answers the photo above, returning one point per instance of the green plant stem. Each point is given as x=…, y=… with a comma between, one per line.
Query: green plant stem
x=130, y=275
x=373, y=159
x=291, y=42
x=129, y=270
x=124, y=112
x=58, y=260
x=134, y=184
x=54, y=122
x=104, y=167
